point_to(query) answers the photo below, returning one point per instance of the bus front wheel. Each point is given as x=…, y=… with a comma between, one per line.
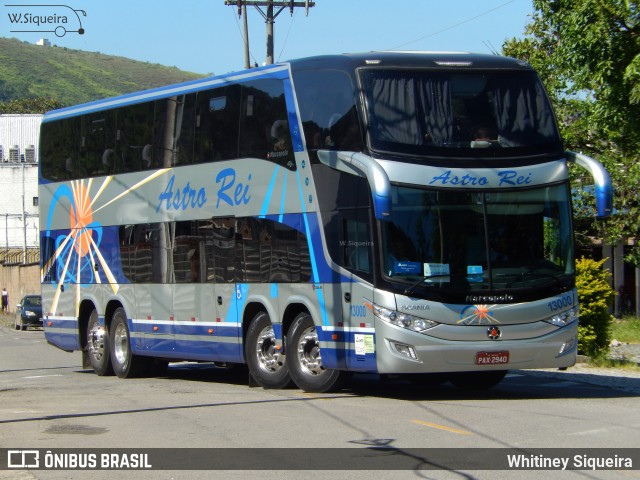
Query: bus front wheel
x=305, y=360
x=98, y=346
x=125, y=363
x=264, y=357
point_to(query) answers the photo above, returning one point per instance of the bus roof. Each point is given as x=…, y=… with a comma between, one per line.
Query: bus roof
x=411, y=59
x=347, y=62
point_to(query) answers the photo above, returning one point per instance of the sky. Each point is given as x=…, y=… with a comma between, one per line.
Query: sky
x=205, y=36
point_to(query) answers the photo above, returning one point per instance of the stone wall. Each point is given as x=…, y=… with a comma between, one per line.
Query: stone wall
x=19, y=280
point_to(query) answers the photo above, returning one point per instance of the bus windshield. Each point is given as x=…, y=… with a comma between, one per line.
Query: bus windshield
x=479, y=241
x=462, y=114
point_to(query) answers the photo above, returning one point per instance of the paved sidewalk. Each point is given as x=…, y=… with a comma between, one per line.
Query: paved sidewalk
x=619, y=378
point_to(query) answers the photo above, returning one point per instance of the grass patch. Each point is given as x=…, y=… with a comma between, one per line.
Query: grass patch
x=626, y=330
x=7, y=319
x=602, y=361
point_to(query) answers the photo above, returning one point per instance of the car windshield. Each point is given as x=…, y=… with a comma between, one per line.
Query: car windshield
x=31, y=302
x=464, y=241
x=462, y=114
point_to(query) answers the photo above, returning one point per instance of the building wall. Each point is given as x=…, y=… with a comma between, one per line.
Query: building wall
x=19, y=280
x=20, y=130
x=19, y=181
x=18, y=196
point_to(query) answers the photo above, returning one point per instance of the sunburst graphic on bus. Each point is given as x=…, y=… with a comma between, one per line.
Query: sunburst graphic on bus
x=76, y=256
x=477, y=315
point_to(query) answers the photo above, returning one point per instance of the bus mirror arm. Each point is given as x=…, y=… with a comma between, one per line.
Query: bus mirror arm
x=359, y=164
x=602, y=181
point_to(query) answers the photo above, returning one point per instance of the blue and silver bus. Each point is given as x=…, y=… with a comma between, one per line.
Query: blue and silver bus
x=385, y=213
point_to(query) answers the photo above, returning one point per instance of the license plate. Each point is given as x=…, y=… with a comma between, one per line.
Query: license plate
x=492, y=358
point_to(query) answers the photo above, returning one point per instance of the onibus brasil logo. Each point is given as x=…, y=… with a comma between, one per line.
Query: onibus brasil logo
x=58, y=19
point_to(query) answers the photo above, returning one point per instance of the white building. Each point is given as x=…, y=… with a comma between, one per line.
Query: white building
x=19, y=136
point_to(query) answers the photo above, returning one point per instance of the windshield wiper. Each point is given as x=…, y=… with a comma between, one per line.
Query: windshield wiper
x=555, y=278
x=410, y=288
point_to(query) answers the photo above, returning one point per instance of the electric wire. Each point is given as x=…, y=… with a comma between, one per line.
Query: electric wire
x=287, y=36
x=242, y=37
x=453, y=26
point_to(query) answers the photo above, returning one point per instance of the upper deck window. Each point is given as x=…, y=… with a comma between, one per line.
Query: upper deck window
x=462, y=114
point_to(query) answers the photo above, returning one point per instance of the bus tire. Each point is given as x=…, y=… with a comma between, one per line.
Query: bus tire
x=477, y=380
x=267, y=364
x=125, y=364
x=98, y=346
x=305, y=361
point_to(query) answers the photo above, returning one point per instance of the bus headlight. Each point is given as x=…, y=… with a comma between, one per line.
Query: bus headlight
x=564, y=318
x=399, y=319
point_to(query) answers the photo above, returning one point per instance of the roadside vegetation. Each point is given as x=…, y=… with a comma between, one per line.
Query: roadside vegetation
x=626, y=329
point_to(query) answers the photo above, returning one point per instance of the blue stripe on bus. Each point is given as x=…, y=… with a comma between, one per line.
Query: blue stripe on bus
x=65, y=341
x=267, y=198
x=283, y=198
x=194, y=350
x=314, y=266
x=296, y=135
x=345, y=358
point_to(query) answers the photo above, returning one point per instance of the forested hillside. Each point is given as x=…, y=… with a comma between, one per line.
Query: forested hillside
x=75, y=76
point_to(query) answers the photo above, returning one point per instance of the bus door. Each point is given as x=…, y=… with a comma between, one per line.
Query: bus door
x=151, y=269
x=358, y=258
x=222, y=261
x=193, y=298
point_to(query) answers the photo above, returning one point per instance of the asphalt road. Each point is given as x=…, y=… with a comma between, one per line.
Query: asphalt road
x=47, y=401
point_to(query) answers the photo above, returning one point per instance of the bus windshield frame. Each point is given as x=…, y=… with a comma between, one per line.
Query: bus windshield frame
x=454, y=242
x=458, y=113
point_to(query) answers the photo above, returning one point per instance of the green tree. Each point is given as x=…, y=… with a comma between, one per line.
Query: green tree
x=29, y=105
x=588, y=54
x=594, y=295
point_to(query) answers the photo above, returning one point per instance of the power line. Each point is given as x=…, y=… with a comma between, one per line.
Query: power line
x=273, y=9
x=454, y=26
x=244, y=41
x=287, y=36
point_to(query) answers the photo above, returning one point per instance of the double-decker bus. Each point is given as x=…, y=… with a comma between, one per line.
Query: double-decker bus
x=386, y=213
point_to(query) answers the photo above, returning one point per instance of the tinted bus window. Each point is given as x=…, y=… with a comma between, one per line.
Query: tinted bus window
x=264, y=128
x=328, y=110
x=217, y=124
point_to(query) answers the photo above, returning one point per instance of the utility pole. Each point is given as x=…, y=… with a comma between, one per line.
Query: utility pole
x=269, y=17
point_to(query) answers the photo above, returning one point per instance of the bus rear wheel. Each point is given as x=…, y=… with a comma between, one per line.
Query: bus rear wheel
x=477, y=380
x=98, y=346
x=265, y=359
x=305, y=360
x=125, y=363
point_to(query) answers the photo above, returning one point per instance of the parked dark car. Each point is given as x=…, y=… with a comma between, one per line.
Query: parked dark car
x=29, y=312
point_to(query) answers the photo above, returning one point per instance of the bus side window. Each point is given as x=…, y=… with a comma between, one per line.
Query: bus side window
x=98, y=144
x=127, y=251
x=357, y=250
x=216, y=127
x=264, y=127
x=133, y=134
x=328, y=110
x=47, y=259
x=222, y=249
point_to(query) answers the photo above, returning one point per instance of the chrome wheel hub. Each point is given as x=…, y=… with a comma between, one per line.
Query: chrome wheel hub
x=309, y=352
x=268, y=353
x=96, y=342
x=121, y=344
